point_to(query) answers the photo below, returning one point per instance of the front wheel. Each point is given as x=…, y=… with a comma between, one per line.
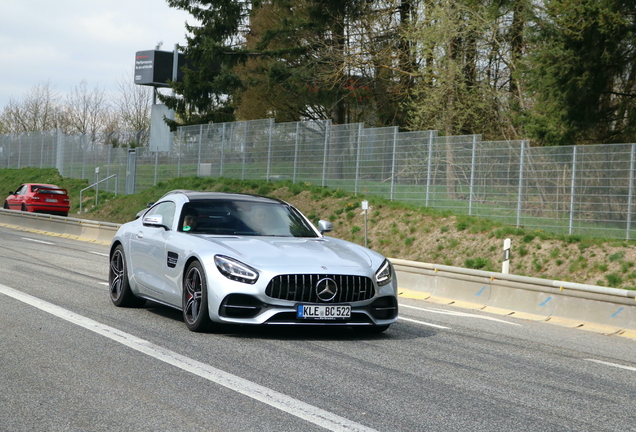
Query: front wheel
x=195, y=299
x=120, y=293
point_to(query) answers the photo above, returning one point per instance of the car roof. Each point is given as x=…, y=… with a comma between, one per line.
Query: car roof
x=206, y=195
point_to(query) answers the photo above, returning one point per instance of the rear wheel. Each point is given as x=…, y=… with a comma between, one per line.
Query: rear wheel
x=24, y=207
x=120, y=293
x=6, y=205
x=195, y=299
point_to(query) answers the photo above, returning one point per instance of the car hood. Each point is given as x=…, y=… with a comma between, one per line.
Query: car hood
x=291, y=252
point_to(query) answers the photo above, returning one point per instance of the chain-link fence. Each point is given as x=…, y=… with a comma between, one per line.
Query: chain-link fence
x=572, y=190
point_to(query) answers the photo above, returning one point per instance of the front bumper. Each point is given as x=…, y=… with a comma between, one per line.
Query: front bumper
x=248, y=309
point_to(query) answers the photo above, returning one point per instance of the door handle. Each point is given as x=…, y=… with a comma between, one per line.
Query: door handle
x=140, y=234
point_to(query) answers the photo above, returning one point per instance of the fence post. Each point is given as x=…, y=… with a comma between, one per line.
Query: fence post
x=179, y=152
x=110, y=147
x=244, y=147
x=520, y=194
x=428, y=169
x=395, y=139
x=572, y=189
x=30, y=145
x=156, y=166
x=20, y=152
x=41, y=150
x=296, y=150
x=355, y=189
x=222, y=148
x=269, y=148
x=324, y=159
x=472, y=177
x=199, y=155
x=82, y=144
x=631, y=191
x=59, y=152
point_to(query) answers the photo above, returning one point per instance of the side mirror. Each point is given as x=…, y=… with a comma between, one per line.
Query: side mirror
x=154, y=221
x=11, y=193
x=324, y=226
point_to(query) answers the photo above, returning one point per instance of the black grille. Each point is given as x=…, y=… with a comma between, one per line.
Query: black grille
x=302, y=288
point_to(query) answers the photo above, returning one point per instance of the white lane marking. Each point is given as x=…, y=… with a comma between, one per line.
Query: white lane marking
x=265, y=395
x=612, y=364
x=37, y=241
x=423, y=323
x=461, y=314
x=98, y=253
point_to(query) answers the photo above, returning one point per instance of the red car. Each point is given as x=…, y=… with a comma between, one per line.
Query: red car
x=39, y=197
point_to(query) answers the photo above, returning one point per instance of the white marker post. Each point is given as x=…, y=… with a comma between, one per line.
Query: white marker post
x=505, y=267
x=365, y=206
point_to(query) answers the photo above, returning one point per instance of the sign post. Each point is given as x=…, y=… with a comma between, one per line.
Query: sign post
x=365, y=207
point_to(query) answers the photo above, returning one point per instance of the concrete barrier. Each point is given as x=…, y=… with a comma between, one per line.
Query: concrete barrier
x=83, y=229
x=601, y=309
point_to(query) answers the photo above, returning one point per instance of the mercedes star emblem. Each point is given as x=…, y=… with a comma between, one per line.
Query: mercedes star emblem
x=326, y=289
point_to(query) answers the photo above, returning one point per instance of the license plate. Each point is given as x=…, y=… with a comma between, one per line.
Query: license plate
x=50, y=200
x=324, y=312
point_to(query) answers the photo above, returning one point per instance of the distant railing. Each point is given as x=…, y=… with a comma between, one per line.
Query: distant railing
x=96, y=185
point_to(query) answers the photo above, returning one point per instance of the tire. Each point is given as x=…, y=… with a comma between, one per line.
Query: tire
x=119, y=286
x=6, y=205
x=24, y=207
x=195, y=299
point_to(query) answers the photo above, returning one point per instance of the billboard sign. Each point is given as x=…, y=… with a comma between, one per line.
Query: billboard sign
x=154, y=68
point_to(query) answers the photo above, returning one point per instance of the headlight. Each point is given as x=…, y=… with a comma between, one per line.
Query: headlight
x=235, y=270
x=384, y=274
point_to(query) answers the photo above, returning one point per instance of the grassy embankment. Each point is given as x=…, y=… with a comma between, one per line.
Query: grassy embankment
x=395, y=229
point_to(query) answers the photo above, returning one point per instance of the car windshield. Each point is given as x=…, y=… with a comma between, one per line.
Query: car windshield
x=235, y=217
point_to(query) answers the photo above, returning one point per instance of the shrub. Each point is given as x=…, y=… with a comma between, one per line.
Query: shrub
x=614, y=280
x=477, y=263
x=617, y=256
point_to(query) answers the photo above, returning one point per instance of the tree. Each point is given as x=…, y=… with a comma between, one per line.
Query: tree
x=582, y=73
x=213, y=48
x=133, y=104
x=37, y=111
x=86, y=111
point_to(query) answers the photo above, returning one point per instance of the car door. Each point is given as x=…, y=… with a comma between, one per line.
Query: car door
x=15, y=201
x=148, y=251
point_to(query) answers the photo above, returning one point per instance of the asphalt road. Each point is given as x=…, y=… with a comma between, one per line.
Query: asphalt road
x=71, y=361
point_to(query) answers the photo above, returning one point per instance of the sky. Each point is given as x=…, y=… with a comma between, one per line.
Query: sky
x=65, y=42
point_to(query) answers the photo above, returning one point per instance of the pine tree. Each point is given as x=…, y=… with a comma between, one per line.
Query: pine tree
x=582, y=73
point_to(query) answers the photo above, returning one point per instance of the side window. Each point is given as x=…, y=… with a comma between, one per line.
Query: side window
x=166, y=210
x=21, y=190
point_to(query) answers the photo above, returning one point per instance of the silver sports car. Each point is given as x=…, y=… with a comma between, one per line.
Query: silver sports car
x=245, y=259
